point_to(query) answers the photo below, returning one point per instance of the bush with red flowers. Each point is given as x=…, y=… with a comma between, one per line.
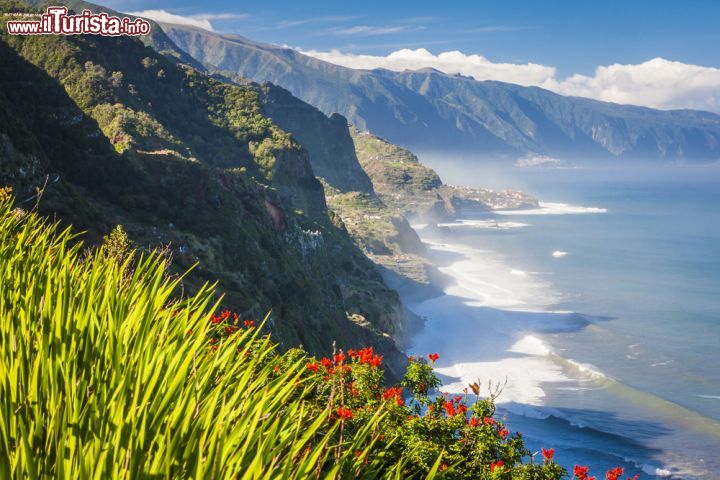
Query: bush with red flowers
x=422, y=431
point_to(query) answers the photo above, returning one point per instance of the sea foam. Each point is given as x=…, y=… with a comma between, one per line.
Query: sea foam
x=549, y=208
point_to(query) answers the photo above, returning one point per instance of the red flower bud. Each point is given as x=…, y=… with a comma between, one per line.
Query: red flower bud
x=548, y=454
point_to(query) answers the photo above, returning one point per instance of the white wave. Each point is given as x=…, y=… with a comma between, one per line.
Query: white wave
x=659, y=364
x=485, y=224
x=678, y=471
x=524, y=376
x=530, y=345
x=484, y=279
x=559, y=254
x=713, y=397
x=583, y=368
x=549, y=208
x=657, y=471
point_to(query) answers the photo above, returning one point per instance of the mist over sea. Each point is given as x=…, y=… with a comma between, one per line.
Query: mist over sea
x=601, y=309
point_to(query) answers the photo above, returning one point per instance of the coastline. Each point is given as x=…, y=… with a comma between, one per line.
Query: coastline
x=488, y=325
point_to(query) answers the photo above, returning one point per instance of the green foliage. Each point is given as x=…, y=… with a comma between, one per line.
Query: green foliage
x=400, y=180
x=117, y=244
x=420, y=380
x=106, y=373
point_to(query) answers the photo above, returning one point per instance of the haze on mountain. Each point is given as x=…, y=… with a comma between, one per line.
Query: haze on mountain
x=427, y=110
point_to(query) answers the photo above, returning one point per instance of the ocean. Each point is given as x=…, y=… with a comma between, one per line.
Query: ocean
x=599, y=313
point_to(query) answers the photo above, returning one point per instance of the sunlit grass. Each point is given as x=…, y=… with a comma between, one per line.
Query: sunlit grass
x=105, y=373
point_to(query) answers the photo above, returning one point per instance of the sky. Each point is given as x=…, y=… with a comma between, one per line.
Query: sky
x=658, y=53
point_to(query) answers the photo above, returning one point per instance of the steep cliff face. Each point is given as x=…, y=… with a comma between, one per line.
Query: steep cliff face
x=127, y=137
x=327, y=139
x=404, y=184
x=401, y=181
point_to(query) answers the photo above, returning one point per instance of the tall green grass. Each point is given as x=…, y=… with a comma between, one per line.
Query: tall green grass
x=106, y=372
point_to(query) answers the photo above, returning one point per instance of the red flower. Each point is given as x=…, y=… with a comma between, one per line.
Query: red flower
x=474, y=422
x=326, y=362
x=215, y=319
x=581, y=472
x=488, y=421
x=615, y=473
x=344, y=413
x=352, y=353
x=548, y=454
x=313, y=367
x=396, y=393
x=443, y=467
x=433, y=357
x=367, y=357
x=225, y=314
x=339, y=358
x=497, y=465
x=503, y=433
x=462, y=409
x=450, y=409
x=249, y=323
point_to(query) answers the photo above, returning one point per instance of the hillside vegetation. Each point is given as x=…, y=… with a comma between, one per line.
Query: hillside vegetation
x=119, y=134
x=416, y=191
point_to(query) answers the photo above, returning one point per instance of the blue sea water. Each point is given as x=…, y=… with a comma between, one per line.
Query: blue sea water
x=613, y=342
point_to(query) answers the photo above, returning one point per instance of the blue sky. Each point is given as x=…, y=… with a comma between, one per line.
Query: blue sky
x=574, y=36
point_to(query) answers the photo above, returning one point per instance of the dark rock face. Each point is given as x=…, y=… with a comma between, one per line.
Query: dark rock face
x=326, y=139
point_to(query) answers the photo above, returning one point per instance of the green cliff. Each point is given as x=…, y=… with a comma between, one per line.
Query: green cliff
x=121, y=135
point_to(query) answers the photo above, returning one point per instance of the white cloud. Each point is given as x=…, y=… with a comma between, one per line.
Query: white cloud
x=200, y=20
x=657, y=83
x=451, y=62
x=313, y=20
x=367, y=30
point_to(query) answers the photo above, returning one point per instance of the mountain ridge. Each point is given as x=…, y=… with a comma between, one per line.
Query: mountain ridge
x=427, y=109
